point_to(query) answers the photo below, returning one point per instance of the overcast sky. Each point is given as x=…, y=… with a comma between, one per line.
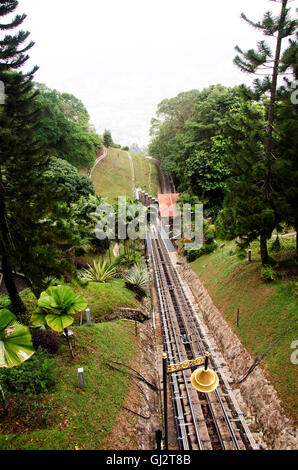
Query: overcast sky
x=122, y=57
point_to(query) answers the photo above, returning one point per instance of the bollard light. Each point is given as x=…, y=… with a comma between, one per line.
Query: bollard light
x=82, y=383
x=88, y=316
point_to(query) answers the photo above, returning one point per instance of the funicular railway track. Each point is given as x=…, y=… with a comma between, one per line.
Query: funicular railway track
x=211, y=421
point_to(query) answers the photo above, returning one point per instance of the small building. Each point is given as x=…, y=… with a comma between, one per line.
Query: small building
x=168, y=207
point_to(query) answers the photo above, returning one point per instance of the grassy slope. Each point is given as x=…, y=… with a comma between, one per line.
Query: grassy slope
x=266, y=311
x=102, y=297
x=146, y=174
x=112, y=176
x=79, y=419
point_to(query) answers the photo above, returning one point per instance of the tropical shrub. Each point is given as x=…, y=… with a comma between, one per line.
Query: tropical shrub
x=45, y=339
x=192, y=255
x=268, y=274
x=34, y=376
x=241, y=252
x=128, y=260
x=275, y=246
x=100, y=272
x=137, y=279
x=15, y=341
x=56, y=307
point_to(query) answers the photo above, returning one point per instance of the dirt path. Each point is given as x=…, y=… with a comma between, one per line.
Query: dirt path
x=99, y=158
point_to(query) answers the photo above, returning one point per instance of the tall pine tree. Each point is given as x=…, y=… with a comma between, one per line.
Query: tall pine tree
x=260, y=191
x=12, y=57
x=35, y=234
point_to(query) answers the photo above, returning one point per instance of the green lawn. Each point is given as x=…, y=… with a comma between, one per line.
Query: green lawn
x=76, y=419
x=267, y=310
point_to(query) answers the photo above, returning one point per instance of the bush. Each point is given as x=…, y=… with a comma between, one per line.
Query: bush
x=34, y=376
x=137, y=280
x=99, y=272
x=45, y=339
x=268, y=274
x=128, y=260
x=275, y=246
x=192, y=255
x=241, y=253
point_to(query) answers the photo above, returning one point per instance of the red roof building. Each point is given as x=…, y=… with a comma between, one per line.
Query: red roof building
x=167, y=204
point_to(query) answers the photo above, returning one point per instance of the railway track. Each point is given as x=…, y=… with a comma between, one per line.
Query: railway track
x=211, y=421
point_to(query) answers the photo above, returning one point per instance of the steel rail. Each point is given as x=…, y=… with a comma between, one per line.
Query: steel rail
x=169, y=317
x=229, y=391
x=182, y=297
x=214, y=421
x=182, y=434
x=179, y=417
x=202, y=351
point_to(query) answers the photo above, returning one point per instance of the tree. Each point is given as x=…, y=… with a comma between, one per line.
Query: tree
x=264, y=61
x=190, y=143
x=285, y=168
x=56, y=307
x=64, y=129
x=17, y=87
x=107, y=138
x=245, y=215
x=34, y=230
x=65, y=182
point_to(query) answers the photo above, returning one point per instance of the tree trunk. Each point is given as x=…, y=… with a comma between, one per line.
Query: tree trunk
x=17, y=303
x=5, y=241
x=264, y=251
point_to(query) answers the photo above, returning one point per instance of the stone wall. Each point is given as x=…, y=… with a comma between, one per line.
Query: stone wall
x=261, y=398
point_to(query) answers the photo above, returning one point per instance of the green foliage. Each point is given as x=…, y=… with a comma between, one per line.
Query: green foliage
x=84, y=215
x=65, y=182
x=137, y=279
x=63, y=128
x=276, y=245
x=268, y=274
x=209, y=243
x=192, y=255
x=241, y=252
x=257, y=200
x=57, y=305
x=100, y=272
x=128, y=260
x=15, y=341
x=35, y=376
x=190, y=142
x=107, y=138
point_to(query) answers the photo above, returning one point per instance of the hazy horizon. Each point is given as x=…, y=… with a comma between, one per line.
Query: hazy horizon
x=121, y=58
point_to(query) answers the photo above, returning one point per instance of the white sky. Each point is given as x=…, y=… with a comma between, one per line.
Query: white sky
x=122, y=57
